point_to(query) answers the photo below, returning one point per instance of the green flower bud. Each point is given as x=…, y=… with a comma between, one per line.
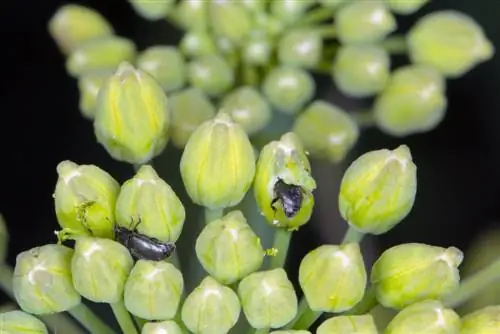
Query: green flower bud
x=103, y=54
x=146, y=197
x=284, y=160
x=257, y=49
x=413, y=101
x=288, y=88
x=332, y=4
x=364, y=22
x=291, y=332
x=42, y=280
x=358, y=324
x=197, y=44
x=268, y=299
x=218, y=163
x=451, y=42
x=327, y=131
x=288, y=11
x=190, y=108
x=85, y=199
x=256, y=6
x=301, y=48
x=483, y=321
x=212, y=74
x=18, y=322
x=211, y=308
x=248, y=108
x=89, y=85
x=270, y=24
x=152, y=10
x=427, y=317
x=132, y=117
x=378, y=190
x=333, y=278
x=228, y=249
x=192, y=14
x=72, y=25
x=4, y=239
x=165, y=64
x=153, y=290
x=405, y=7
x=100, y=269
x=230, y=19
x=413, y=272
x=164, y=327
x=361, y=70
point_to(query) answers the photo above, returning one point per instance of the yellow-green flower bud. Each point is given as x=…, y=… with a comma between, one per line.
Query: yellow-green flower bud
x=166, y=64
x=4, y=239
x=212, y=74
x=451, y=42
x=164, y=327
x=361, y=70
x=291, y=332
x=326, y=131
x=211, y=308
x=228, y=249
x=427, y=317
x=256, y=6
x=18, y=322
x=405, y=7
x=413, y=272
x=192, y=15
x=361, y=22
x=358, y=324
x=257, y=49
x=89, y=85
x=42, y=280
x=218, y=163
x=301, y=48
x=85, y=199
x=288, y=11
x=230, y=19
x=413, y=101
x=153, y=10
x=248, y=107
x=73, y=24
x=132, y=118
x=288, y=88
x=149, y=200
x=483, y=321
x=268, y=299
x=378, y=190
x=270, y=24
x=332, y=4
x=197, y=44
x=103, y=54
x=153, y=290
x=100, y=269
x=333, y=278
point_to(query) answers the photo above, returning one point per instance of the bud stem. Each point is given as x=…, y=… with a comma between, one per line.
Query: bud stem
x=326, y=31
x=281, y=242
x=315, y=16
x=368, y=302
x=213, y=214
x=88, y=320
x=364, y=118
x=352, y=235
x=123, y=317
x=305, y=316
x=395, y=45
x=262, y=331
x=250, y=75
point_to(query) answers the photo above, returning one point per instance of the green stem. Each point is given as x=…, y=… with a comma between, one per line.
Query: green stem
x=364, y=118
x=395, y=45
x=214, y=214
x=281, y=243
x=123, y=317
x=262, y=331
x=326, y=31
x=352, y=236
x=89, y=320
x=139, y=322
x=305, y=316
x=366, y=304
x=250, y=75
x=315, y=16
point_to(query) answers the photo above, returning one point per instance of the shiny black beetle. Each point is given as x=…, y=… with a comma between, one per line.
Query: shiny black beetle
x=290, y=195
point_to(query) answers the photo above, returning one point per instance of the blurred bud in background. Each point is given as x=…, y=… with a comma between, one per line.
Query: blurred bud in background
x=18, y=322
x=197, y=43
x=89, y=85
x=405, y=7
x=483, y=321
x=230, y=19
x=212, y=74
x=152, y=10
x=301, y=48
x=192, y=15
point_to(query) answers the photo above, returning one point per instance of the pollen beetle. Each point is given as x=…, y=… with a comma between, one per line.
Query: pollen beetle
x=290, y=195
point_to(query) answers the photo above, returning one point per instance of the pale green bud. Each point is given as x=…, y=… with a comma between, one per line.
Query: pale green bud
x=146, y=197
x=153, y=10
x=164, y=327
x=268, y=299
x=288, y=11
x=450, y=41
x=291, y=332
x=327, y=131
x=166, y=64
x=301, y=48
x=413, y=272
x=73, y=24
x=405, y=7
x=257, y=49
x=18, y=322
x=483, y=321
x=211, y=308
x=333, y=278
x=132, y=117
x=197, y=44
x=42, y=282
x=427, y=317
x=89, y=85
x=256, y=6
x=270, y=24
x=230, y=19
x=192, y=14
x=4, y=239
x=212, y=74
x=218, y=163
x=85, y=199
x=378, y=190
x=100, y=269
x=358, y=324
x=332, y=4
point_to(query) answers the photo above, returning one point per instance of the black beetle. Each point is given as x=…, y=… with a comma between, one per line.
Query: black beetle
x=290, y=195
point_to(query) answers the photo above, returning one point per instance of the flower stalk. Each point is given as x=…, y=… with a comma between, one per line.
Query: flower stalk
x=123, y=317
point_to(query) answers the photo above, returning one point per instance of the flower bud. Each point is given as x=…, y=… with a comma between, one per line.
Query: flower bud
x=132, y=117
x=164, y=327
x=100, y=268
x=247, y=107
x=364, y=22
x=361, y=70
x=211, y=308
x=4, y=239
x=42, y=280
x=451, y=42
x=192, y=15
x=413, y=101
x=483, y=321
x=218, y=163
x=268, y=299
x=413, y=272
x=103, y=54
x=230, y=19
x=166, y=64
x=327, y=131
x=228, y=249
x=291, y=332
x=288, y=11
x=378, y=190
x=301, y=48
x=333, y=278
x=153, y=10
x=427, y=317
x=85, y=199
x=146, y=197
x=89, y=85
x=153, y=290
x=357, y=324
x=288, y=88
x=283, y=165
x=197, y=44
x=269, y=24
x=257, y=49
x=405, y=7
x=73, y=24
x=212, y=74
x=18, y=322
x=332, y=4
x=255, y=6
